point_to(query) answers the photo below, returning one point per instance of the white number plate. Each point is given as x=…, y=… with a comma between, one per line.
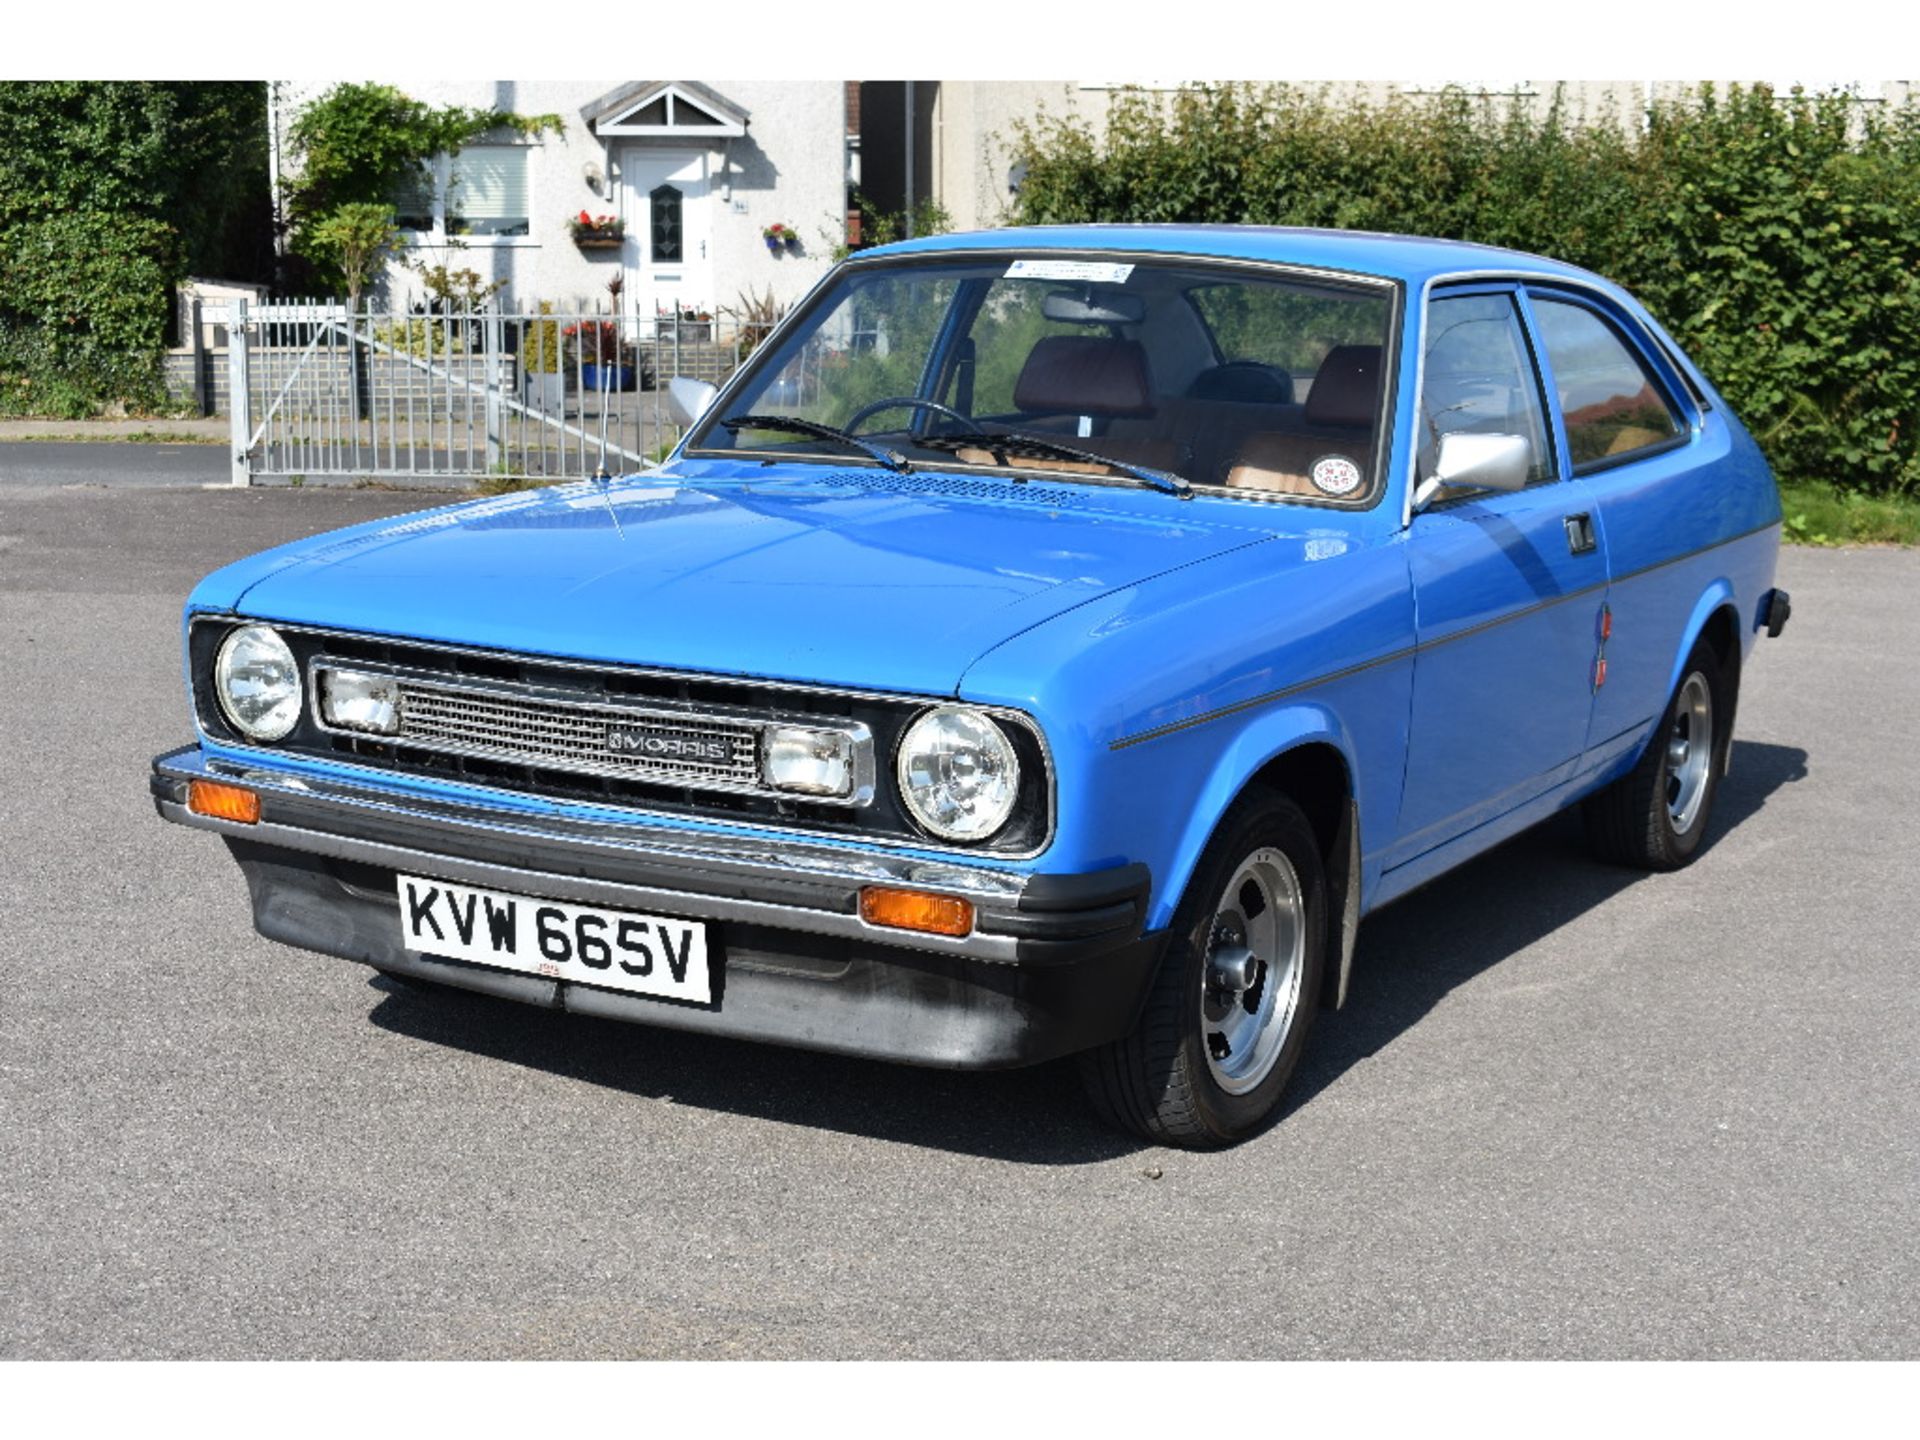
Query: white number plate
x=616, y=949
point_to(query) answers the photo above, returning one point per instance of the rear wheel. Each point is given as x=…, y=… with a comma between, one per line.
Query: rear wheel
x=1227, y=1019
x=1655, y=816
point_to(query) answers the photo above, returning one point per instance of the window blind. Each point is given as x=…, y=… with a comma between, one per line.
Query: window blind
x=489, y=191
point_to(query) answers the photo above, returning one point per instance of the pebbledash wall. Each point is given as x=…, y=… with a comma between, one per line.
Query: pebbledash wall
x=788, y=167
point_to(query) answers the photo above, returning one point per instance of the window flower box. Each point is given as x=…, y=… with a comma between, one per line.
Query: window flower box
x=597, y=232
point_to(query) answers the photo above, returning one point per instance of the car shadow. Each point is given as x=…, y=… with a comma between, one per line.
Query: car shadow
x=1410, y=955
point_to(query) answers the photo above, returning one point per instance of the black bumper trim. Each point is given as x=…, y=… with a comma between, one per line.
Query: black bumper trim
x=1775, y=610
x=851, y=997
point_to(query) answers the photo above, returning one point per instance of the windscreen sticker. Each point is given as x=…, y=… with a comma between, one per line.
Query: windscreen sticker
x=1093, y=270
x=1335, y=475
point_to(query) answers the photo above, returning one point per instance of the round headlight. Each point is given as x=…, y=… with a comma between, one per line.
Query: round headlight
x=257, y=682
x=958, y=773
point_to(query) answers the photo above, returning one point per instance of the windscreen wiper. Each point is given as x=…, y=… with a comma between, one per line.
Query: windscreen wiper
x=1018, y=442
x=794, y=425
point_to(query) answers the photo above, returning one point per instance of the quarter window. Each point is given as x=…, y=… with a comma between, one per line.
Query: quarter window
x=1480, y=379
x=1611, y=403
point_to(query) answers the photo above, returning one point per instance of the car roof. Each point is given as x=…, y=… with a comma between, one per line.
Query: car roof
x=1410, y=258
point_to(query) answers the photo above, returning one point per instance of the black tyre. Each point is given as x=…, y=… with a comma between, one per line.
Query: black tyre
x=1656, y=815
x=1227, y=1018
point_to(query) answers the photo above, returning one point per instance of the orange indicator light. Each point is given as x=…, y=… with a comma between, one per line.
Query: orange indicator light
x=223, y=802
x=916, y=910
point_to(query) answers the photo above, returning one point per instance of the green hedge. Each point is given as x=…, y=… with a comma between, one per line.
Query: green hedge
x=83, y=318
x=1777, y=237
x=111, y=191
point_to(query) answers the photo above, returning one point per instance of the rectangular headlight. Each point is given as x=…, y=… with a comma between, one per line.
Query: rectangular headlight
x=355, y=700
x=808, y=761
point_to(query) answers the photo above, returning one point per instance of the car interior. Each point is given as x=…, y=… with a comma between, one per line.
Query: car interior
x=1228, y=421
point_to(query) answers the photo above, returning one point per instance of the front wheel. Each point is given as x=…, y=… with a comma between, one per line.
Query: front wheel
x=1227, y=1019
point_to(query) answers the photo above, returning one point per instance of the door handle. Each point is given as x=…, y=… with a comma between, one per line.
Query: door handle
x=1580, y=537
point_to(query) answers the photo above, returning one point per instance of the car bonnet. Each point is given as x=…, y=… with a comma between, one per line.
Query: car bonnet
x=860, y=578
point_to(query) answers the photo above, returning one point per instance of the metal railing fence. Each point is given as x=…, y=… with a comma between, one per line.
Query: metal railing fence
x=321, y=389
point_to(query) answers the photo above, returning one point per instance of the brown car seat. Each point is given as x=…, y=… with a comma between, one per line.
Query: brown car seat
x=1093, y=375
x=1339, y=418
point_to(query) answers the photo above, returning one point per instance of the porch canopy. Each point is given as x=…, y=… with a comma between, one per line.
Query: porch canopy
x=681, y=109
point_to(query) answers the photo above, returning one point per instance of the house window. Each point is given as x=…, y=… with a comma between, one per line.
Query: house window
x=480, y=193
x=665, y=202
x=414, y=204
x=488, y=193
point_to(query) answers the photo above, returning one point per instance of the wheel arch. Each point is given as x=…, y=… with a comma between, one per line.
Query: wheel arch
x=1305, y=754
x=1715, y=620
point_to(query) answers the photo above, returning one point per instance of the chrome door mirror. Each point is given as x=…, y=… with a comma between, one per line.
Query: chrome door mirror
x=1477, y=462
x=688, y=399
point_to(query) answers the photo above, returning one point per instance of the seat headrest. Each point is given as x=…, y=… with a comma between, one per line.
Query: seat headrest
x=1244, y=384
x=1346, y=391
x=1085, y=375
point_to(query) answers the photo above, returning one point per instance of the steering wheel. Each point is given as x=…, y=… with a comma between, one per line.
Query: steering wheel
x=914, y=401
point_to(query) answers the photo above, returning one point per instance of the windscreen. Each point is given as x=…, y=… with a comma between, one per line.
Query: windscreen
x=1250, y=380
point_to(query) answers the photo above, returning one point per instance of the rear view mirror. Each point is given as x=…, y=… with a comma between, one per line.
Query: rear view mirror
x=1477, y=462
x=688, y=399
x=1093, y=305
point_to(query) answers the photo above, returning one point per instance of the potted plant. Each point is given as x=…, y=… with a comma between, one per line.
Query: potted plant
x=545, y=379
x=685, y=322
x=596, y=232
x=606, y=356
x=780, y=237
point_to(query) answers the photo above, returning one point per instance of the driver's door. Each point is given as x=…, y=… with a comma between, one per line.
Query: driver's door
x=1508, y=588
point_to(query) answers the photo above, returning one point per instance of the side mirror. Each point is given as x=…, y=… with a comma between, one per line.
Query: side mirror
x=688, y=399
x=1477, y=462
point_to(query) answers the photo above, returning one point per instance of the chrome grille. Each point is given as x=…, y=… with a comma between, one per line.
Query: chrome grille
x=569, y=736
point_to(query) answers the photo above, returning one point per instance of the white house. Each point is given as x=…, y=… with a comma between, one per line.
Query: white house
x=696, y=170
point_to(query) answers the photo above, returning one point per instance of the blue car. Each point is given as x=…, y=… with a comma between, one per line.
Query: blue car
x=1053, y=641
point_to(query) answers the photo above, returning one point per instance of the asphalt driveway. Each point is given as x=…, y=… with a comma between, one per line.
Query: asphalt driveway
x=1569, y=1111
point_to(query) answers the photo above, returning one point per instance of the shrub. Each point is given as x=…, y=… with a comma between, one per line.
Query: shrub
x=369, y=144
x=84, y=317
x=110, y=191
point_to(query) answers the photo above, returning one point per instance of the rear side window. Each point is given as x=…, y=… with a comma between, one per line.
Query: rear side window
x=1613, y=406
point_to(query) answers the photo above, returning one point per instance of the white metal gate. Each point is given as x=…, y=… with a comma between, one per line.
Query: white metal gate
x=318, y=390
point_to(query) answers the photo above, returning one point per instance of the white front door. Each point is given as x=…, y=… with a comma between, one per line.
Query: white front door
x=669, y=230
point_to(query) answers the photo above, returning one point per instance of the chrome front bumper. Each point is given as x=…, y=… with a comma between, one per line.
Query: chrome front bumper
x=786, y=884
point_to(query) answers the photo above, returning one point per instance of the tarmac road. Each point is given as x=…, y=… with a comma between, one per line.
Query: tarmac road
x=42, y=464
x=1568, y=1112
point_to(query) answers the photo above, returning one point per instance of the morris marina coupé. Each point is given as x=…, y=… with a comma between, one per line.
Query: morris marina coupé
x=1050, y=642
